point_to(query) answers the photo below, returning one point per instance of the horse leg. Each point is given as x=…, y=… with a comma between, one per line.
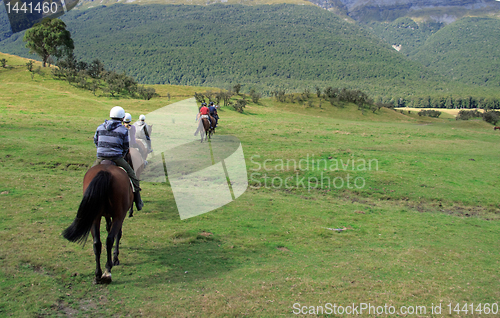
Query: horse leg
x=116, y=261
x=97, y=249
x=112, y=235
x=108, y=223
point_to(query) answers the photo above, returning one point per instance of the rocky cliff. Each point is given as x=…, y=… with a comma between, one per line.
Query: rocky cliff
x=386, y=10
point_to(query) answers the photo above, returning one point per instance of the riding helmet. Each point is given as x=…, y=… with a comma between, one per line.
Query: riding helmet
x=117, y=112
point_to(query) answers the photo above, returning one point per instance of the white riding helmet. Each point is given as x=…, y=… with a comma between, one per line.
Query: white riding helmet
x=142, y=117
x=117, y=112
x=127, y=118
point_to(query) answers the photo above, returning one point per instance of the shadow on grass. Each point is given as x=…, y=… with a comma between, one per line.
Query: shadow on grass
x=165, y=209
x=197, y=259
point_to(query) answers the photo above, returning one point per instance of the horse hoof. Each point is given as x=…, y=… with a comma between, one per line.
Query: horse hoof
x=105, y=278
x=116, y=262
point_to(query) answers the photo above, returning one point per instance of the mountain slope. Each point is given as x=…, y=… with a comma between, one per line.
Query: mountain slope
x=389, y=10
x=263, y=46
x=467, y=50
x=404, y=33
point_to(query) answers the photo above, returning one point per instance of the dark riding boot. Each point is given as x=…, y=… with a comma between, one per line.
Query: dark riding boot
x=137, y=199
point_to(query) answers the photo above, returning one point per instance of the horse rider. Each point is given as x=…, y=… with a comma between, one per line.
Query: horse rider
x=142, y=131
x=204, y=111
x=112, y=141
x=131, y=134
x=213, y=112
x=199, y=108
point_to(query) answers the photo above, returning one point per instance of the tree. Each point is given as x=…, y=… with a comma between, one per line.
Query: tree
x=115, y=82
x=3, y=62
x=29, y=66
x=200, y=98
x=237, y=88
x=47, y=38
x=318, y=91
x=254, y=96
x=95, y=69
x=240, y=104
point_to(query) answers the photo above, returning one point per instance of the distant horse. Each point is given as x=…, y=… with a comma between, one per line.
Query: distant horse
x=107, y=193
x=496, y=127
x=204, y=128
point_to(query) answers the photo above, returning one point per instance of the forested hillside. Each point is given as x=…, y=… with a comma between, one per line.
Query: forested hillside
x=277, y=47
x=266, y=47
x=467, y=51
x=405, y=32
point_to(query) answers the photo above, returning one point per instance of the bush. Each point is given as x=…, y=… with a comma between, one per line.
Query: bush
x=280, y=95
x=430, y=113
x=3, y=62
x=146, y=92
x=468, y=114
x=491, y=117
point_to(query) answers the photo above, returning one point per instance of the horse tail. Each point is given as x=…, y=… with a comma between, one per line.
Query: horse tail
x=94, y=199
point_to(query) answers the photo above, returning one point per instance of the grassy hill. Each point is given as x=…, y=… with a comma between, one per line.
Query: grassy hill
x=420, y=230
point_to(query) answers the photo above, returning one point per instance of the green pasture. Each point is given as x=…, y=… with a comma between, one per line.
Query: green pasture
x=421, y=231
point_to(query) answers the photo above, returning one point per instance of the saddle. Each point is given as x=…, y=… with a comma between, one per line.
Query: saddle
x=128, y=159
x=109, y=162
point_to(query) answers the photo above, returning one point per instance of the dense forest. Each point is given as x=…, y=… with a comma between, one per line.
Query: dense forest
x=266, y=47
x=467, y=50
x=276, y=47
x=405, y=32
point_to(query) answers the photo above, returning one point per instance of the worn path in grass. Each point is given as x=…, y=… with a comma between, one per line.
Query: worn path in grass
x=422, y=230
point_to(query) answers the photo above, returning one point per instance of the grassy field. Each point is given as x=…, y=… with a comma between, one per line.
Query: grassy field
x=420, y=225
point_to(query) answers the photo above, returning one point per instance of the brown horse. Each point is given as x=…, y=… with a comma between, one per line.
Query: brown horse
x=107, y=193
x=205, y=129
x=496, y=127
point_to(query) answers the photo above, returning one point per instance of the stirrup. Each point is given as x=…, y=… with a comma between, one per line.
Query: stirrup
x=137, y=200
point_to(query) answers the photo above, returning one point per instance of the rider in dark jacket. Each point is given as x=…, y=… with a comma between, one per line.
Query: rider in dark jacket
x=213, y=113
x=112, y=142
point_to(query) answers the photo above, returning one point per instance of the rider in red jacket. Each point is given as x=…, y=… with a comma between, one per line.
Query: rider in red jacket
x=204, y=113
